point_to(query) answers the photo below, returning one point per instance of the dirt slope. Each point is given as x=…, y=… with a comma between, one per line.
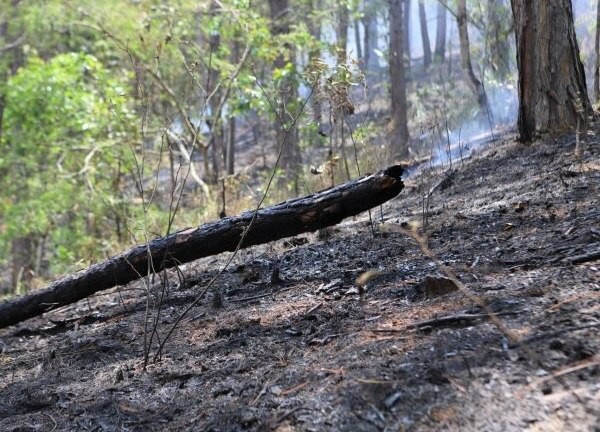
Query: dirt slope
x=310, y=354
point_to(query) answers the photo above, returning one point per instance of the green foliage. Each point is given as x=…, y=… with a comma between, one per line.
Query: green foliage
x=63, y=154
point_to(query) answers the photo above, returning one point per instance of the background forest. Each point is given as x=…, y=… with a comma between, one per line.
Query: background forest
x=124, y=120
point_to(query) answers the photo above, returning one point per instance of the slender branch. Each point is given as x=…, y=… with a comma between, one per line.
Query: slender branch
x=13, y=44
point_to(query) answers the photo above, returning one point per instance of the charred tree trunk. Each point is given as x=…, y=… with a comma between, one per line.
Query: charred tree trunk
x=440, y=34
x=465, y=55
x=424, y=35
x=399, y=144
x=287, y=219
x=552, y=89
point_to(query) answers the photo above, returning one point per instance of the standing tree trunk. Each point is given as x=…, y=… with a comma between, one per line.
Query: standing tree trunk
x=341, y=34
x=357, y=40
x=424, y=35
x=465, y=55
x=399, y=138
x=371, y=36
x=22, y=248
x=499, y=25
x=230, y=156
x=406, y=36
x=23, y=260
x=340, y=98
x=230, y=146
x=597, y=51
x=215, y=124
x=314, y=27
x=552, y=89
x=3, y=76
x=291, y=159
x=440, y=34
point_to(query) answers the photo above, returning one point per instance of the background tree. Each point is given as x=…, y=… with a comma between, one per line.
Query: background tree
x=552, y=89
x=465, y=54
x=291, y=159
x=371, y=36
x=498, y=28
x=399, y=124
x=59, y=131
x=440, y=33
x=597, y=53
x=424, y=35
x=406, y=36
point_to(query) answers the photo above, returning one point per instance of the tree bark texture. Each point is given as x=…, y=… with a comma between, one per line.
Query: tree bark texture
x=286, y=219
x=399, y=144
x=552, y=89
x=465, y=55
x=440, y=34
x=424, y=35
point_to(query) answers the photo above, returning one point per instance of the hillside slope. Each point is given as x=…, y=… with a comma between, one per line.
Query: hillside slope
x=518, y=225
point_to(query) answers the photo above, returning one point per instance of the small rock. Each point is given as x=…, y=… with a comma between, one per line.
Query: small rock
x=435, y=286
x=118, y=375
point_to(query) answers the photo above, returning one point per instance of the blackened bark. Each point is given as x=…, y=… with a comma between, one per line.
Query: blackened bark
x=289, y=218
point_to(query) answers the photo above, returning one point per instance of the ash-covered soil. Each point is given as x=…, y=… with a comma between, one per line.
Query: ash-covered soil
x=519, y=226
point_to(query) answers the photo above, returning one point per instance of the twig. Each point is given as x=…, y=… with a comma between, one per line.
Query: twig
x=314, y=308
x=594, y=361
x=580, y=259
x=454, y=318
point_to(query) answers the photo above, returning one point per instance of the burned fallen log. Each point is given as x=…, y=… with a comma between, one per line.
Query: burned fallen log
x=289, y=218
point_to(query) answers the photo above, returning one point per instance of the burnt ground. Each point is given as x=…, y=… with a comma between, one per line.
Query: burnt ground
x=518, y=225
